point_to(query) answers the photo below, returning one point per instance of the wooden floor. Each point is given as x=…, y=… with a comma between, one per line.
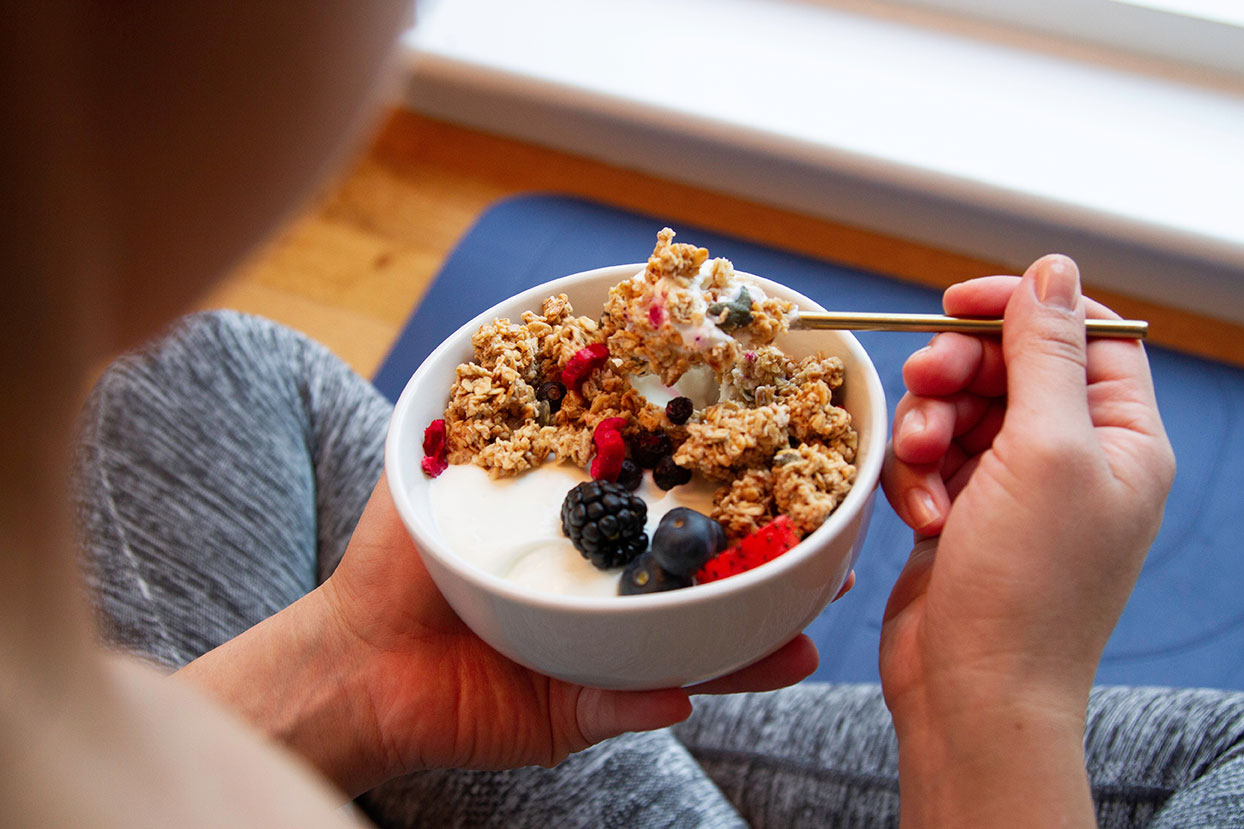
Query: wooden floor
x=351, y=269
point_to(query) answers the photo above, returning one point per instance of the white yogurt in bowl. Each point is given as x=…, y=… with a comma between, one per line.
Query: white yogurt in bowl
x=511, y=527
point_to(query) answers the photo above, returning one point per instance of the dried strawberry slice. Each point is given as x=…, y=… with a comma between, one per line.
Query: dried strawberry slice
x=765, y=544
x=771, y=540
x=435, y=449
x=582, y=364
x=723, y=565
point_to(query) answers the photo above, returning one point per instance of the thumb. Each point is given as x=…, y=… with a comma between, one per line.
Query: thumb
x=1043, y=344
x=913, y=580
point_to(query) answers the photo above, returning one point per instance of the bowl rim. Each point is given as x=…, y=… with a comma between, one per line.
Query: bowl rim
x=426, y=535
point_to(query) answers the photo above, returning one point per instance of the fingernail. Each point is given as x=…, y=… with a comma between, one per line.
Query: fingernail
x=922, y=507
x=913, y=423
x=1058, y=282
x=846, y=586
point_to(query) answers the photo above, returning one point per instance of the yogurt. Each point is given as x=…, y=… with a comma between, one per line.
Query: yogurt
x=511, y=527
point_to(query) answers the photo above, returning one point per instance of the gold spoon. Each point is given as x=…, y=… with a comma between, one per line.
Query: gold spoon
x=857, y=321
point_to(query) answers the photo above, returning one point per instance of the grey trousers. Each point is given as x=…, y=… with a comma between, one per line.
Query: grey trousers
x=220, y=474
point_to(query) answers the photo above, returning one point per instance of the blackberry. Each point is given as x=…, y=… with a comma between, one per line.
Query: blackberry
x=647, y=448
x=605, y=523
x=631, y=476
x=679, y=410
x=668, y=474
x=552, y=393
x=644, y=575
x=685, y=540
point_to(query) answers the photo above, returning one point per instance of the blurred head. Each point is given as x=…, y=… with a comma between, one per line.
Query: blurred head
x=148, y=147
x=155, y=144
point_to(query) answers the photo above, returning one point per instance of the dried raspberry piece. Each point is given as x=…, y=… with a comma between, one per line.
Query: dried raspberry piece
x=435, y=449
x=656, y=315
x=610, y=449
x=582, y=364
x=610, y=452
x=765, y=544
x=610, y=424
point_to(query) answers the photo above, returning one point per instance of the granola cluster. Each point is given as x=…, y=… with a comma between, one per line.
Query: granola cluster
x=783, y=445
x=775, y=439
x=493, y=417
x=685, y=310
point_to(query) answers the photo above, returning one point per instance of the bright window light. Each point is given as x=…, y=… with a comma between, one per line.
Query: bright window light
x=1207, y=34
x=1230, y=12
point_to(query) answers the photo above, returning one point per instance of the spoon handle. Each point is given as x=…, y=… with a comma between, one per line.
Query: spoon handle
x=857, y=321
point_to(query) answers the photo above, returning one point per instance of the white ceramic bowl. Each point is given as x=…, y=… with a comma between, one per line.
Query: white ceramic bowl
x=658, y=640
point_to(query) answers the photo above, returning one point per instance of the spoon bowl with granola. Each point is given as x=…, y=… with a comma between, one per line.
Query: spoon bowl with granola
x=638, y=476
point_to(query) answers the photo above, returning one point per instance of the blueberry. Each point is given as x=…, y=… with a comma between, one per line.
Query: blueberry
x=552, y=393
x=631, y=476
x=685, y=539
x=679, y=410
x=668, y=474
x=643, y=575
x=647, y=448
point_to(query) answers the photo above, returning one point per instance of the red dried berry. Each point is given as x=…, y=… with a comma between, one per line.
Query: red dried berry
x=610, y=424
x=610, y=452
x=435, y=449
x=656, y=315
x=583, y=363
x=765, y=544
x=728, y=562
x=723, y=565
x=771, y=540
x=434, y=437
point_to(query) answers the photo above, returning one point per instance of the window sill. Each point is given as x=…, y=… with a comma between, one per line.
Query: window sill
x=982, y=143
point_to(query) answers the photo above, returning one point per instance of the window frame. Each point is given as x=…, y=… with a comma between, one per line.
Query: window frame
x=1133, y=26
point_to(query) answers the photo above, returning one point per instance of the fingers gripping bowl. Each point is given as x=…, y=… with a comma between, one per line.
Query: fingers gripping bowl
x=656, y=640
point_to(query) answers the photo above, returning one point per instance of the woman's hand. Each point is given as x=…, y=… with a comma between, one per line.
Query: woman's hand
x=438, y=696
x=1034, y=472
x=373, y=675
